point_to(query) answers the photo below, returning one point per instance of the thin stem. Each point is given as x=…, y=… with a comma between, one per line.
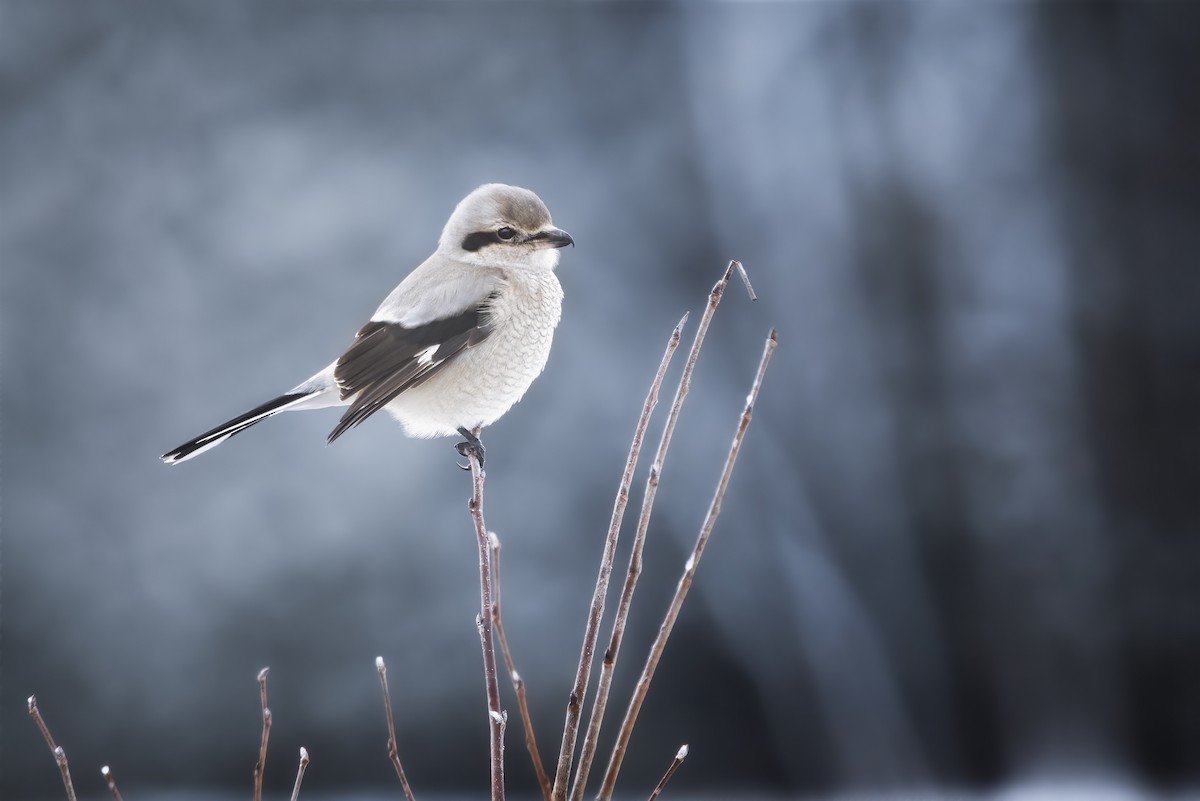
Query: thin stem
x=675, y=763
x=575, y=700
x=745, y=279
x=111, y=781
x=685, y=581
x=300, y=772
x=518, y=682
x=266, y=732
x=60, y=756
x=393, y=749
x=590, y=742
x=496, y=718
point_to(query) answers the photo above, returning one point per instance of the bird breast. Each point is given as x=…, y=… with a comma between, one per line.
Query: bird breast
x=483, y=382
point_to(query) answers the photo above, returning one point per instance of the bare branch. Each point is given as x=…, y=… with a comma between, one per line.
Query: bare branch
x=675, y=763
x=639, y=539
x=745, y=280
x=518, y=682
x=685, y=581
x=393, y=749
x=60, y=756
x=300, y=772
x=266, y=732
x=496, y=718
x=111, y=781
x=575, y=700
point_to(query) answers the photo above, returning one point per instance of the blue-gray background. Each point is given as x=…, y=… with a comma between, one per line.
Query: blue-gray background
x=963, y=544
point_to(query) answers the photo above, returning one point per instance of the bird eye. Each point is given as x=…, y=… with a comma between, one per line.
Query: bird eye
x=506, y=233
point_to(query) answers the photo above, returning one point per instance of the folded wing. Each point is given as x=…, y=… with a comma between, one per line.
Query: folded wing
x=387, y=358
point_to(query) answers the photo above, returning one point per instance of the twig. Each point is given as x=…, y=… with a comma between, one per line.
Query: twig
x=111, y=782
x=518, y=682
x=575, y=700
x=300, y=772
x=496, y=717
x=60, y=756
x=639, y=539
x=266, y=731
x=746, y=281
x=393, y=750
x=685, y=581
x=675, y=763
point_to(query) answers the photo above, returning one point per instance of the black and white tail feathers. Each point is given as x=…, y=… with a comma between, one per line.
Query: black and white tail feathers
x=216, y=436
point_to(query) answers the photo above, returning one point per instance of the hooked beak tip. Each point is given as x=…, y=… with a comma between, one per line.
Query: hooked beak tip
x=555, y=238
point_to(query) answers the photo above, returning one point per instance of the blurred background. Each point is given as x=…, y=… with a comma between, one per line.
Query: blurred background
x=962, y=546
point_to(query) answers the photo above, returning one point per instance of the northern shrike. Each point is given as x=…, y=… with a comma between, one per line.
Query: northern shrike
x=457, y=343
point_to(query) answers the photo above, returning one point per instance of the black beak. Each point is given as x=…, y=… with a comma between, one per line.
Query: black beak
x=552, y=238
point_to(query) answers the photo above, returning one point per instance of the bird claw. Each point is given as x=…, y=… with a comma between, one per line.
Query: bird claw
x=471, y=447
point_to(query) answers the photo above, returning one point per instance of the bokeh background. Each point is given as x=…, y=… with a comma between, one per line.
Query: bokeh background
x=961, y=549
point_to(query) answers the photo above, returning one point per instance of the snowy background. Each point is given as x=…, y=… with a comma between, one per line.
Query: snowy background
x=962, y=547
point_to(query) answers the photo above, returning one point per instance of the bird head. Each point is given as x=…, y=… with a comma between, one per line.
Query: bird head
x=503, y=226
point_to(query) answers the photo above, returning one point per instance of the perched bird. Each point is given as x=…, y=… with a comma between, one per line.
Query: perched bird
x=457, y=343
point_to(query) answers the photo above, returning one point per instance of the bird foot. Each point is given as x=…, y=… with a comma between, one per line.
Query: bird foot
x=471, y=447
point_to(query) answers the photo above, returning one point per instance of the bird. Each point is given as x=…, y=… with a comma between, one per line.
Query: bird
x=456, y=344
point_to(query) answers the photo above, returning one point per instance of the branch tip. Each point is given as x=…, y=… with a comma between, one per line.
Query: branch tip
x=300, y=772
x=745, y=279
x=685, y=581
x=393, y=749
x=111, y=782
x=675, y=763
x=260, y=765
x=517, y=682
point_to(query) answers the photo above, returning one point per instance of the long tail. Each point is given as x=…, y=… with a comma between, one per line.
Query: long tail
x=210, y=439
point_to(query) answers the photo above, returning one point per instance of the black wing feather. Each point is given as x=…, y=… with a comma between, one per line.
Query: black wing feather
x=385, y=359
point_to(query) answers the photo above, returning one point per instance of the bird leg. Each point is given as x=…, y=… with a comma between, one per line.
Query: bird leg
x=471, y=446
